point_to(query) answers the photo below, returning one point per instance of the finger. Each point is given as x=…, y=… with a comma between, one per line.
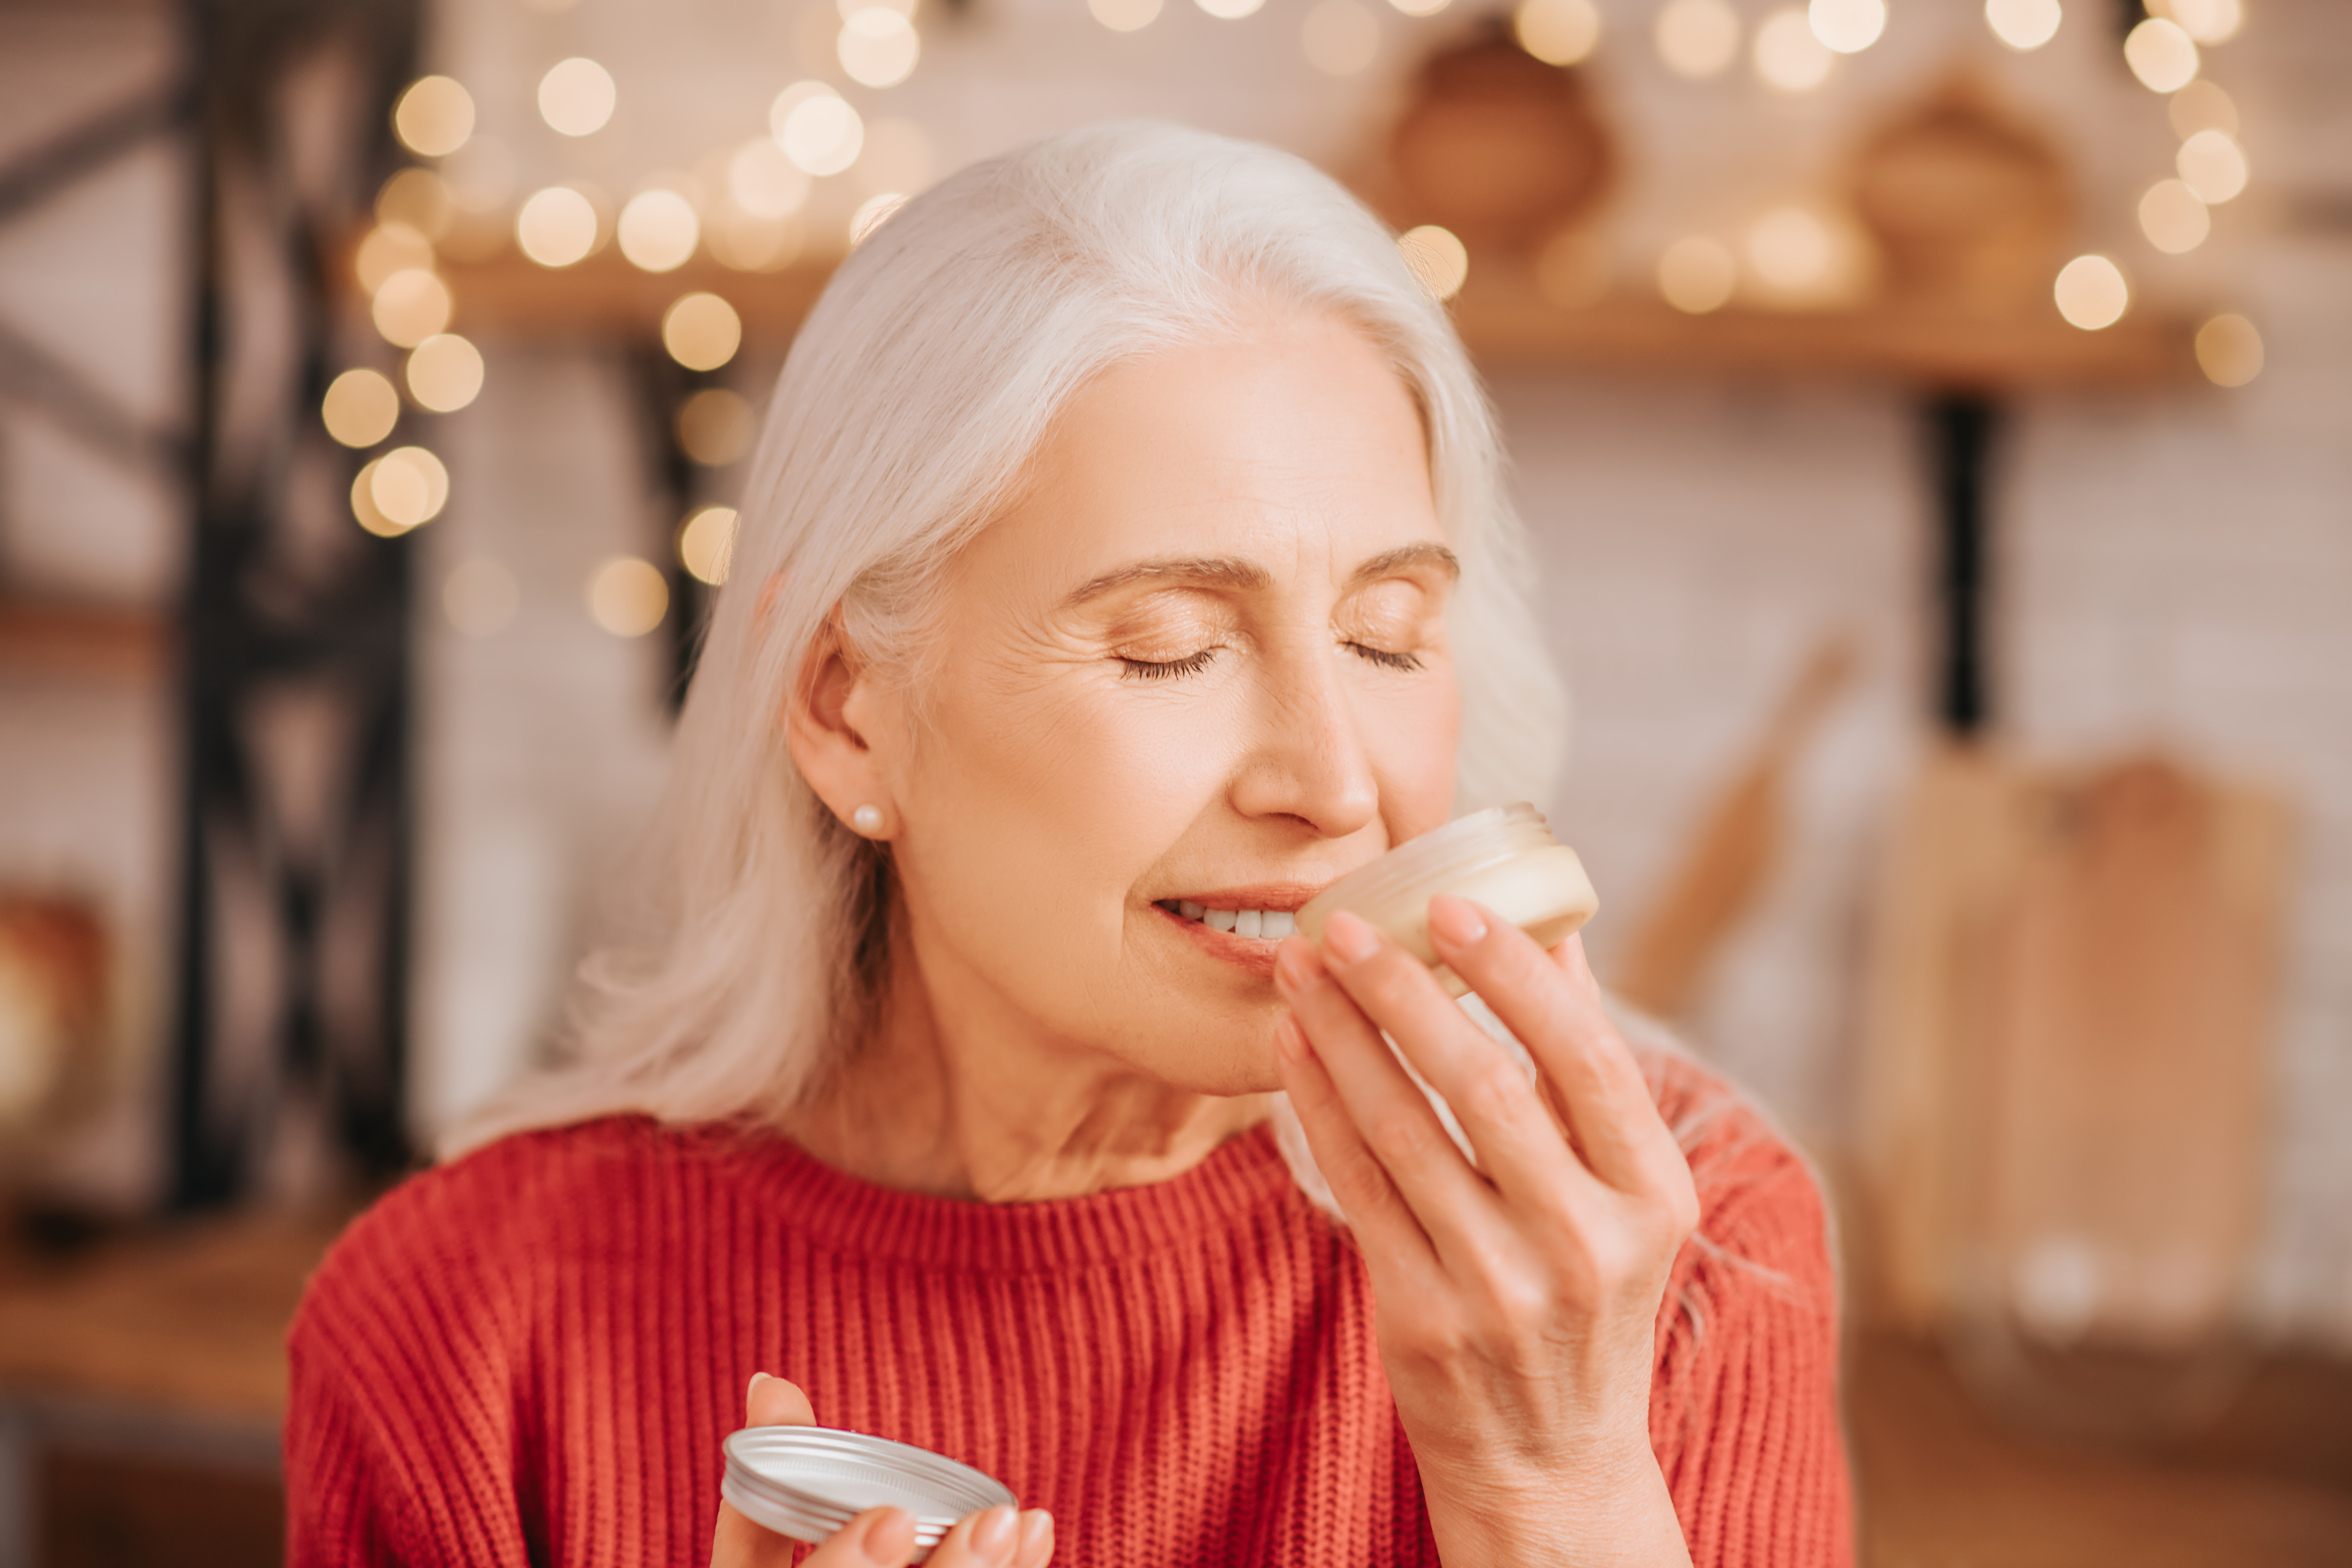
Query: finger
x=1553, y=1006
x=984, y=1540
x=878, y=1537
x=1384, y=1224
x=772, y=1402
x=1521, y=1149
x=1037, y=1548
x=1450, y=1201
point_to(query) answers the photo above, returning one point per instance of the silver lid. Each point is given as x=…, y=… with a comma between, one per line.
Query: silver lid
x=808, y=1481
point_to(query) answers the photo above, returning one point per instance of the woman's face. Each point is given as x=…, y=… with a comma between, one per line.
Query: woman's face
x=1200, y=663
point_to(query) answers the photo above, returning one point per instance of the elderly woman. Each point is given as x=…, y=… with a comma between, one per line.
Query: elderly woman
x=1126, y=542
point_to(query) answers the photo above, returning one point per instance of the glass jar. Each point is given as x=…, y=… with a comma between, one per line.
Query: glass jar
x=1504, y=858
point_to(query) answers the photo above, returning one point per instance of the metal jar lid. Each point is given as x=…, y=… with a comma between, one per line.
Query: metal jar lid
x=808, y=1481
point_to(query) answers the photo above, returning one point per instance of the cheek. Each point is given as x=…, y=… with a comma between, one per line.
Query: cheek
x=1410, y=739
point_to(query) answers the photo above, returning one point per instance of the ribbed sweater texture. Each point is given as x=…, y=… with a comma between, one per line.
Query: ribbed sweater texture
x=532, y=1355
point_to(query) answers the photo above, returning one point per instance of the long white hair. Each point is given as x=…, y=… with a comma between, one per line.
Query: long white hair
x=939, y=354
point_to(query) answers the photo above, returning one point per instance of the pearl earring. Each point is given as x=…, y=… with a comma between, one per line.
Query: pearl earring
x=867, y=819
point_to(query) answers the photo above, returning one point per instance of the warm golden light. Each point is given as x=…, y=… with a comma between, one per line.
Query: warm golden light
x=1698, y=37
x=445, y=374
x=818, y=132
x=2163, y=57
x=764, y=181
x=390, y=247
x=2213, y=165
x=658, y=230
x=745, y=242
x=2173, y=218
x=1421, y=7
x=360, y=408
x=480, y=597
x=1791, y=249
x=410, y=307
x=2091, y=292
x=1558, y=32
x=1847, y=26
x=434, y=117
x=701, y=332
x=627, y=598
x=878, y=47
x=706, y=543
x=556, y=226
x=2230, y=350
x=2201, y=106
x=1229, y=10
x=1439, y=259
x=1572, y=270
x=404, y=488
x=2206, y=21
x=1339, y=37
x=1789, y=54
x=872, y=213
x=576, y=96
x=1696, y=274
x=419, y=199
x=364, y=504
x=1123, y=15
x=717, y=427
x=2023, y=24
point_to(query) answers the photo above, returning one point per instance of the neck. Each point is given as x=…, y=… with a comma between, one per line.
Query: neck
x=954, y=1098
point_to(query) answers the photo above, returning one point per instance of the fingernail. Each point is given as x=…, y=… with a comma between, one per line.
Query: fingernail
x=752, y=1387
x=1455, y=921
x=993, y=1536
x=1036, y=1535
x=1350, y=937
x=1294, y=963
x=890, y=1540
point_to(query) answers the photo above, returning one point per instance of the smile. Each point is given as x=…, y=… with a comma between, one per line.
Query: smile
x=1270, y=924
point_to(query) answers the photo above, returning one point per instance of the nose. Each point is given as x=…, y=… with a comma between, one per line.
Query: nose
x=1308, y=760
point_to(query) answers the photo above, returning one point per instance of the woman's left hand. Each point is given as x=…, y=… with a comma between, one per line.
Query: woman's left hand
x=1517, y=1298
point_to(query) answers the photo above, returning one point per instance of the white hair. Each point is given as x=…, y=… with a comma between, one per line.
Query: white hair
x=941, y=351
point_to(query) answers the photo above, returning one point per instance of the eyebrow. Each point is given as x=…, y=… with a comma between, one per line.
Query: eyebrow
x=1232, y=573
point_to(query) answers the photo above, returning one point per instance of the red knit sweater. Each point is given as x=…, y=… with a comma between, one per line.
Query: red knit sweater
x=532, y=1355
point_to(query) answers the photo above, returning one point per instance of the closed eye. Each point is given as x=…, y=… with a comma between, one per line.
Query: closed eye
x=1167, y=670
x=1384, y=657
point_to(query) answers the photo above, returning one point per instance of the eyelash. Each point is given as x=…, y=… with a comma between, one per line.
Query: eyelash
x=1193, y=664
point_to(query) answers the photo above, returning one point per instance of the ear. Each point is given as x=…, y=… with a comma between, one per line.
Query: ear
x=832, y=718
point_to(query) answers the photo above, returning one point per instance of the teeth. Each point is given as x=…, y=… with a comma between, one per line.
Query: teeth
x=1274, y=925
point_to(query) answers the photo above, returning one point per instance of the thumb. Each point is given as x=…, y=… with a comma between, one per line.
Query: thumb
x=772, y=1402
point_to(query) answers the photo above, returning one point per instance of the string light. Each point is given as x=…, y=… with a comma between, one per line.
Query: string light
x=1696, y=274
x=1789, y=249
x=878, y=47
x=2161, y=55
x=1698, y=37
x=1558, y=32
x=361, y=407
x=2213, y=165
x=701, y=332
x=2023, y=24
x=556, y=226
x=1123, y=15
x=2201, y=106
x=2206, y=21
x=2230, y=350
x=2091, y=293
x=1789, y=54
x=1230, y=10
x=444, y=372
x=764, y=182
x=405, y=488
x=818, y=130
x=1438, y=258
x=576, y=96
x=390, y=247
x=658, y=230
x=2173, y=217
x=434, y=117
x=707, y=542
x=419, y=199
x=1421, y=7
x=627, y=598
x=1339, y=37
x=410, y=306
x=1847, y=26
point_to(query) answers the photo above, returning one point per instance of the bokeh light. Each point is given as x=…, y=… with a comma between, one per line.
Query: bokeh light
x=361, y=407
x=444, y=372
x=701, y=332
x=2173, y=217
x=872, y=213
x=2213, y=167
x=1438, y=258
x=627, y=598
x=2206, y=21
x=746, y=242
x=1420, y=7
x=2091, y=292
x=1558, y=32
x=1698, y=37
x=418, y=198
x=2161, y=55
x=1123, y=15
x=2201, y=106
x=434, y=117
x=409, y=487
x=1229, y=10
x=764, y=182
x=1339, y=37
x=717, y=427
x=480, y=597
x=1790, y=56
x=819, y=131
x=1696, y=274
x=878, y=47
x=390, y=247
x=2230, y=350
x=1791, y=249
x=706, y=543
x=2023, y=24
x=576, y=96
x=410, y=306
x=658, y=230
x=556, y=226
x=1848, y=27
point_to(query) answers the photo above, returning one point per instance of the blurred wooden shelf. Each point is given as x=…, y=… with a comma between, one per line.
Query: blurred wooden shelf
x=75, y=639
x=1502, y=317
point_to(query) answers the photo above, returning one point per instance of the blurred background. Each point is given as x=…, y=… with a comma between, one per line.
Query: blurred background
x=1934, y=416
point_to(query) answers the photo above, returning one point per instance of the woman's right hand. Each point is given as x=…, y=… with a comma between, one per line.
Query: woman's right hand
x=880, y=1537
